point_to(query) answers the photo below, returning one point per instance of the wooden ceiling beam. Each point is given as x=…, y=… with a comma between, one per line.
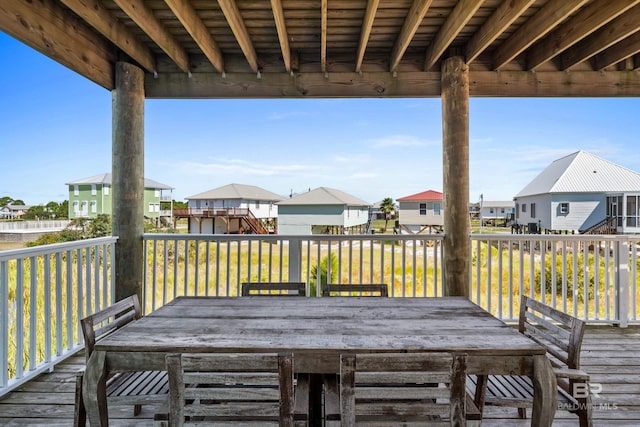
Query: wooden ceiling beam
x=146, y=20
x=498, y=22
x=459, y=17
x=412, y=21
x=323, y=34
x=100, y=19
x=414, y=84
x=191, y=22
x=66, y=39
x=621, y=51
x=283, y=35
x=365, y=32
x=607, y=36
x=581, y=25
x=536, y=27
x=236, y=23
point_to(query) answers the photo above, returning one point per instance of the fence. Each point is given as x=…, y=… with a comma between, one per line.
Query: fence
x=503, y=268
x=44, y=291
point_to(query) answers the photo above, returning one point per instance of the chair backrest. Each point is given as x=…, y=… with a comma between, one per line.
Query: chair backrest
x=403, y=387
x=560, y=333
x=356, y=290
x=231, y=387
x=297, y=289
x=108, y=320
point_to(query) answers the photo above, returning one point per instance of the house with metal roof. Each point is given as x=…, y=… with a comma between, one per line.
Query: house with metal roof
x=496, y=212
x=92, y=196
x=581, y=192
x=323, y=211
x=232, y=209
x=421, y=212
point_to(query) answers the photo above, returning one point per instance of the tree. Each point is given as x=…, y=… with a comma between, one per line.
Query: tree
x=387, y=207
x=5, y=201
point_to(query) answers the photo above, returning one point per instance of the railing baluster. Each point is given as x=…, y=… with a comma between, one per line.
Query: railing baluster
x=19, y=318
x=33, y=293
x=47, y=308
x=4, y=320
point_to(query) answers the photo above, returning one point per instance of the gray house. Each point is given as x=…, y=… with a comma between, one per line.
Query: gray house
x=322, y=211
x=580, y=192
x=232, y=208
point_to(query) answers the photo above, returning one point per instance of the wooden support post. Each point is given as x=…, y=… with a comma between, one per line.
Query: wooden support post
x=455, y=140
x=128, y=179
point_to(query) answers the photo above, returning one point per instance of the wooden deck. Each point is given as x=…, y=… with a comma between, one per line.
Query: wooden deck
x=611, y=355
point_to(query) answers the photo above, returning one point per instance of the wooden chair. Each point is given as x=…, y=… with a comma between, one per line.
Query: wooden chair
x=234, y=389
x=393, y=389
x=364, y=290
x=135, y=388
x=561, y=334
x=297, y=289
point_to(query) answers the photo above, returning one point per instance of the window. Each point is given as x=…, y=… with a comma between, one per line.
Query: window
x=94, y=206
x=533, y=210
x=436, y=208
x=423, y=208
x=517, y=210
x=76, y=207
x=632, y=211
x=491, y=210
x=257, y=204
x=564, y=208
x=105, y=190
x=156, y=193
x=93, y=189
x=76, y=190
x=524, y=207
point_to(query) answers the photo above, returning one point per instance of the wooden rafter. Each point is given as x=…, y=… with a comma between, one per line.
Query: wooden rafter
x=235, y=21
x=625, y=49
x=323, y=35
x=583, y=23
x=500, y=20
x=283, y=36
x=138, y=11
x=456, y=21
x=100, y=18
x=412, y=21
x=44, y=25
x=365, y=32
x=189, y=19
x=615, y=31
x=539, y=25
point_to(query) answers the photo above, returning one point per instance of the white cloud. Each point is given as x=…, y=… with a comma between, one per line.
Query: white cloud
x=400, y=141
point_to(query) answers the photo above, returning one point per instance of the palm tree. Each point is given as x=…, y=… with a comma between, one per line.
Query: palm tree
x=388, y=208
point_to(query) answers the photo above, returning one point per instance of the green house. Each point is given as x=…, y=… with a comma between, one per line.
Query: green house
x=90, y=197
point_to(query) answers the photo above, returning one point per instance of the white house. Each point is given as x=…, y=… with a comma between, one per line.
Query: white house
x=322, y=211
x=497, y=211
x=578, y=192
x=233, y=208
x=421, y=212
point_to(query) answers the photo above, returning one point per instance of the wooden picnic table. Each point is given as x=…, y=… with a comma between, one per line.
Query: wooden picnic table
x=317, y=331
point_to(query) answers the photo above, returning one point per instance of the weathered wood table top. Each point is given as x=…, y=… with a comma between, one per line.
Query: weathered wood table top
x=317, y=331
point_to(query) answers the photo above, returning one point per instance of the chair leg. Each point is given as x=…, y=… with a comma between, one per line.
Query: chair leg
x=137, y=409
x=79, y=413
x=522, y=413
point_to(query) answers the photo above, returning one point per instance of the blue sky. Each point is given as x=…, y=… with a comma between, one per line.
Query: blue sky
x=55, y=127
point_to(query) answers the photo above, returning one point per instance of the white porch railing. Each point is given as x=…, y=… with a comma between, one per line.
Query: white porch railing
x=503, y=267
x=44, y=290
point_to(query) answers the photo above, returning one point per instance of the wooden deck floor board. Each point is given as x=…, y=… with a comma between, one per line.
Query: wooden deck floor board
x=610, y=354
